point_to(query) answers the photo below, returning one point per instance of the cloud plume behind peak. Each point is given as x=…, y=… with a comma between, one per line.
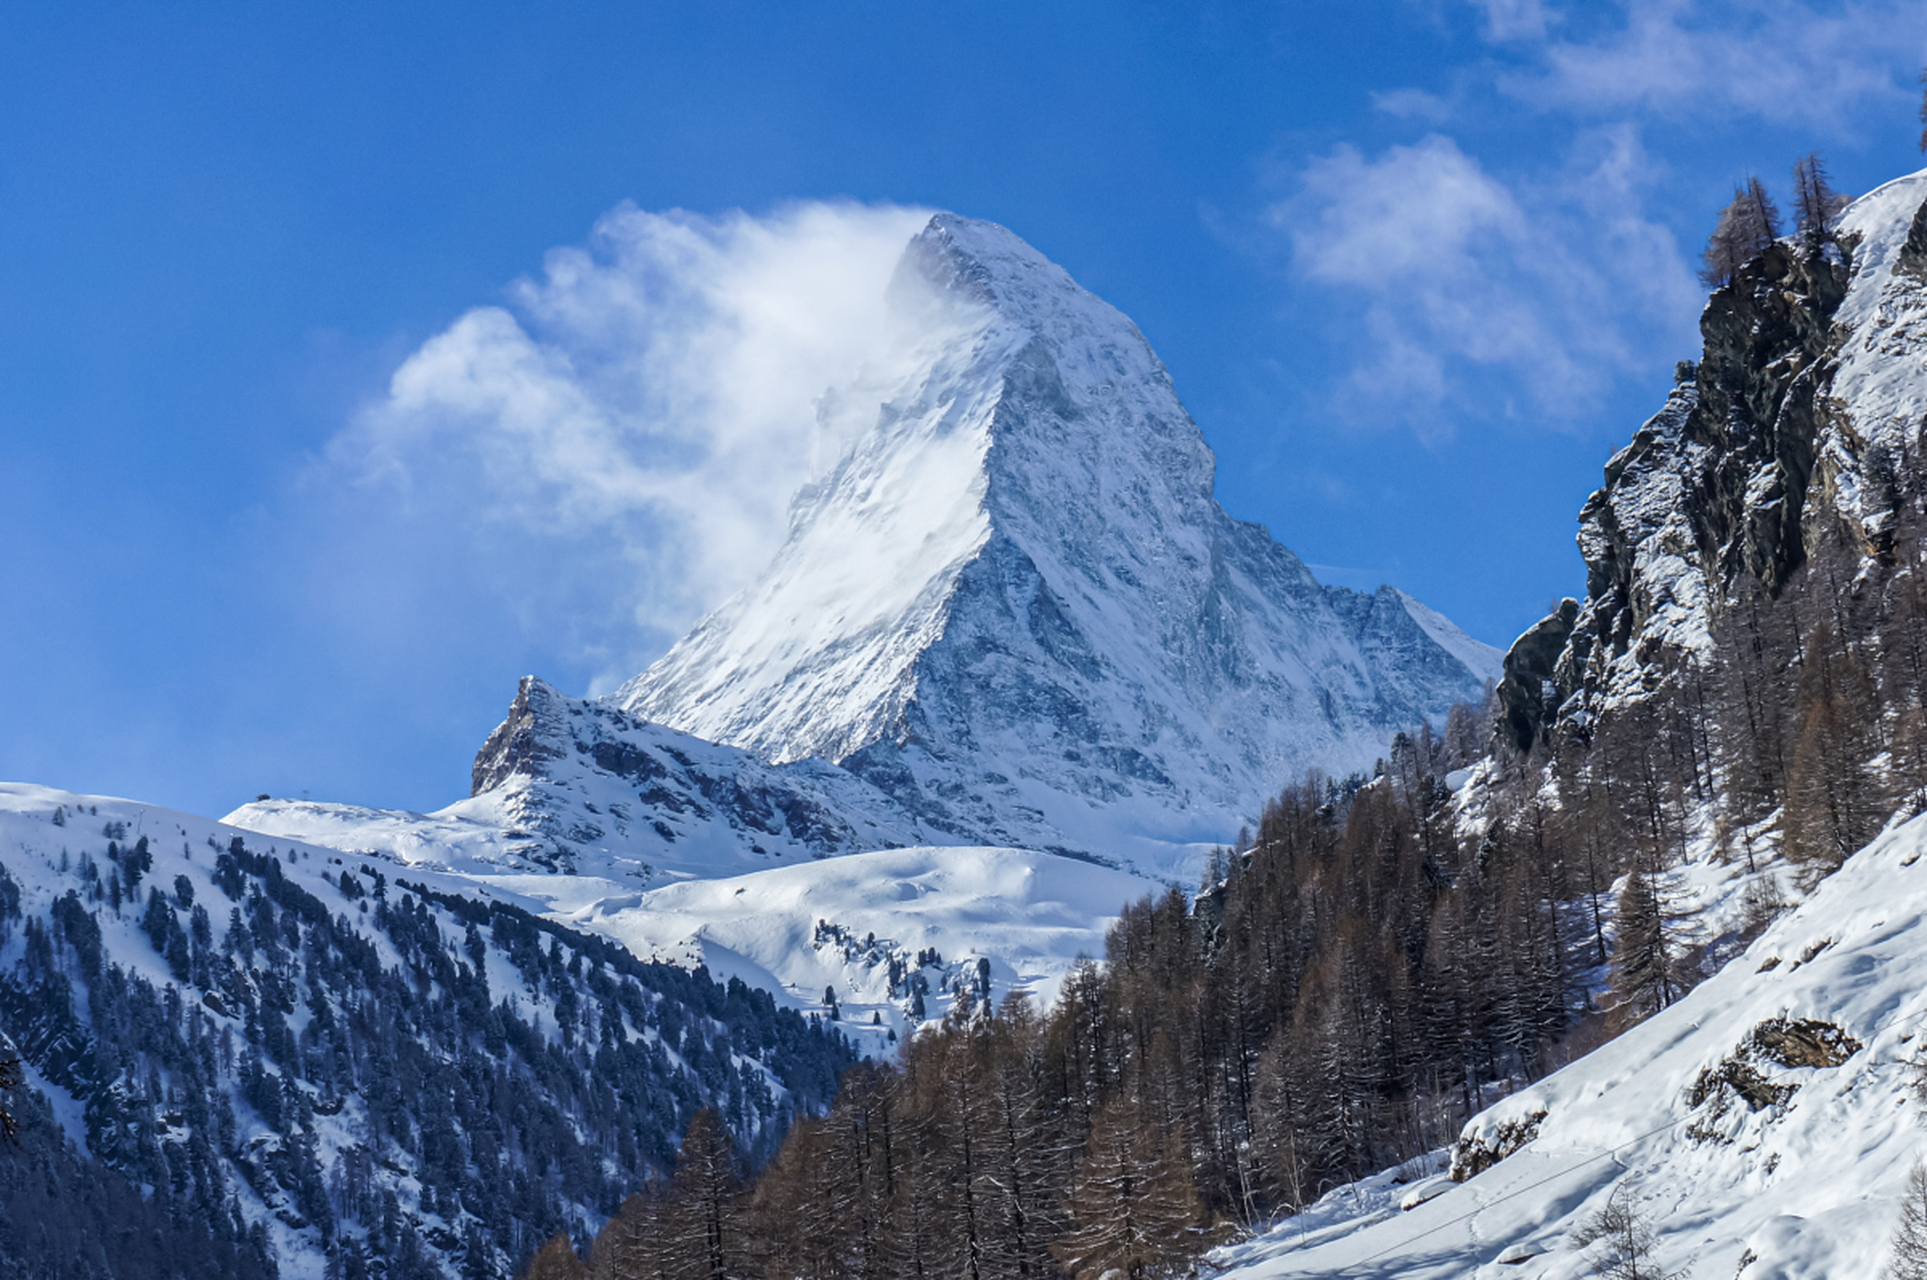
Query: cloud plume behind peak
x=614, y=449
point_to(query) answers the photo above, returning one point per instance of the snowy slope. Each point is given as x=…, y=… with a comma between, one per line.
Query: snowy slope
x=1028, y=915
x=697, y=854
x=337, y=984
x=859, y=924
x=1808, y=1185
x=1015, y=605
x=1881, y=378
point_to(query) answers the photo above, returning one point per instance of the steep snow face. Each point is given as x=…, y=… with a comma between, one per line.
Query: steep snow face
x=1764, y=1125
x=1881, y=379
x=1015, y=605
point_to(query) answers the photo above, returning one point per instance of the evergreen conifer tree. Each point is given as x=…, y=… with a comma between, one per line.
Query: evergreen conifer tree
x=1648, y=970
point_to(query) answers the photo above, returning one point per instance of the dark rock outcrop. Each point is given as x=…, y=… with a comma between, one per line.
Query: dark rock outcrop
x=532, y=734
x=1525, y=707
x=574, y=779
x=1707, y=505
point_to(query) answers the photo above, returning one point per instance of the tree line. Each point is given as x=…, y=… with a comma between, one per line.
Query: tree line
x=1356, y=975
x=1751, y=222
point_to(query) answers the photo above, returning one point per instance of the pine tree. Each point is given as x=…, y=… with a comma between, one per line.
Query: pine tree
x=1746, y=227
x=630, y=1245
x=1816, y=204
x=702, y=1224
x=804, y=1201
x=1834, y=801
x=1019, y=1147
x=1648, y=970
x=11, y=1078
x=556, y=1260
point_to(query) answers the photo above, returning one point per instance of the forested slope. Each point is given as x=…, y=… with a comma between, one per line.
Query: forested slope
x=342, y=1073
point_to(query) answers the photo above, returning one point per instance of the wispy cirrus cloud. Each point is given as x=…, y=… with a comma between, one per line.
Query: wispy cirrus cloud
x=1458, y=273
x=1777, y=60
x=1504, y=20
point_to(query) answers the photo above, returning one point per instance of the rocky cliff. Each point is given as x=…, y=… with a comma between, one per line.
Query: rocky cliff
x=1787, y=436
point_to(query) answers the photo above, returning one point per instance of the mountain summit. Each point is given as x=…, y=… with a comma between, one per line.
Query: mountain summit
x=1015, y=606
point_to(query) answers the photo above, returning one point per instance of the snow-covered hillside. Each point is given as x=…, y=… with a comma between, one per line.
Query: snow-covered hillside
x=324, y=1056
x=895, y=934
x=1764, y=1124
x=1015, y=605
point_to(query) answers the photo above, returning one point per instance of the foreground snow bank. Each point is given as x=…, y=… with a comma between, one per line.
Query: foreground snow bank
x=1725, y=1117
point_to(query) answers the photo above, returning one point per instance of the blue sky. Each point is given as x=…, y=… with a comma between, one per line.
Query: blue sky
x=1417, y=267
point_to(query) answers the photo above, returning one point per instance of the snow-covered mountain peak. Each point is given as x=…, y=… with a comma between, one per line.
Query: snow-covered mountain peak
x=1051, y=343
x=1014, y=604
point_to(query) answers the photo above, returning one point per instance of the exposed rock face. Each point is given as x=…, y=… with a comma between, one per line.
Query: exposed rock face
x=1811, y=384
x=531, y=735
x=1473, y=1153
x=1529, y=668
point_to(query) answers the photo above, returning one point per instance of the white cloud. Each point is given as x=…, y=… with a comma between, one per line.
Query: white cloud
x=1547, y=285
x=1506, y=20
x=1413, y=104
x=1559, y=287
x=632, y=426
x=1777, y=60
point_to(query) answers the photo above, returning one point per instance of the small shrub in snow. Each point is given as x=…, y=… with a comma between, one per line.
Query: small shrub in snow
x=1622, y=1241
x=1910, y=1237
